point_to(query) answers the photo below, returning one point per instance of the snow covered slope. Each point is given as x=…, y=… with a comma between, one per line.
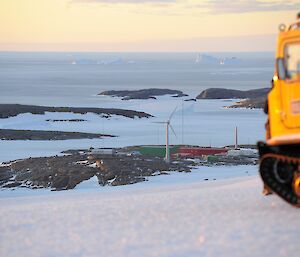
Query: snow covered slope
x=214, y=218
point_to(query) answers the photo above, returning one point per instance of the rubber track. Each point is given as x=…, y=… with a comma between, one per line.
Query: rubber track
x=266, y=168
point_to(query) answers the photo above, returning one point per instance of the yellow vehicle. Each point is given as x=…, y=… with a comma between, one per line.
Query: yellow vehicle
x=280, y=155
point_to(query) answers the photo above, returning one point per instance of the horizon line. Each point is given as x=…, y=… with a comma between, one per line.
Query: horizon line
x=175, y=52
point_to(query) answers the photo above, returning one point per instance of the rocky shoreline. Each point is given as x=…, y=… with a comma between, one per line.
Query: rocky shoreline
x=15, y=134
x=256, y=103
x=11, y=110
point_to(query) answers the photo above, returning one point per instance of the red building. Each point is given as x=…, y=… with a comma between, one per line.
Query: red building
x=199, y=151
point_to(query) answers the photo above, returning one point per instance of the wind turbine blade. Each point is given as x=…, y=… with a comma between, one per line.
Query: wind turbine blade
x=172, y=113
x=173, y=130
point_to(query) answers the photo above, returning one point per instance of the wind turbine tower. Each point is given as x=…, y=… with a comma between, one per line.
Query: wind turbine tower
x=168, y=125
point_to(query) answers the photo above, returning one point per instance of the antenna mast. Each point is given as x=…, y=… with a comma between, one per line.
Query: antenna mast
x=236, y=138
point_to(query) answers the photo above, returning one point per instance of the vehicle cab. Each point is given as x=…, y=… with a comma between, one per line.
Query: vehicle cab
x=284, y=98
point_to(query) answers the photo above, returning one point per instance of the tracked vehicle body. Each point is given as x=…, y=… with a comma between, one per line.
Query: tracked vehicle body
x=280, y=155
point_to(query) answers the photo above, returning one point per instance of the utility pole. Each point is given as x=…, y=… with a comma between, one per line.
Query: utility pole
x=167, y=144
x=182, y=124
x=236, y=138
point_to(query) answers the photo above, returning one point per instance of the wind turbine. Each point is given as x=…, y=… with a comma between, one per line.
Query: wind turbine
x=168, y=125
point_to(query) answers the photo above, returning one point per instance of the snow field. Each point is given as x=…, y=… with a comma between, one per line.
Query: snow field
x=215, y=218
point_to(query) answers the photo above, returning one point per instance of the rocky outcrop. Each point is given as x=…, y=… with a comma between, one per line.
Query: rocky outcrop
x=5, y=175
x=223, y=93
x=252, y=103
x=14, y=134
x=127, y=170
x=65, y=172
x=57, y=173
x=10, y=110
x=150, y=93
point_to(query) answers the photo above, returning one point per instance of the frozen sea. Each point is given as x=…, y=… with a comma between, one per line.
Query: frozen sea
x=75, y=79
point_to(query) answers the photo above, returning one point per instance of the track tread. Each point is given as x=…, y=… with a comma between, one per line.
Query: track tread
x=284, y=191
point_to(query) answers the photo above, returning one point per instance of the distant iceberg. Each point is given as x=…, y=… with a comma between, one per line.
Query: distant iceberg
x=114, y=61
x=209, y=59
x=206, y=59
x=84, y=62
x=229, y=61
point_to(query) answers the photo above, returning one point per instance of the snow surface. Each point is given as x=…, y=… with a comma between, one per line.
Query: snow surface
x=214, y=218
x=204, y=122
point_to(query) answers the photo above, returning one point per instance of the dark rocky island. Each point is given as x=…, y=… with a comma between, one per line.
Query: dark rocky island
x=10, y=110
x=253, y=98
x=66, y=120
x=223, y=93
x=191, y=100
x=14, y=134
x=150, y=93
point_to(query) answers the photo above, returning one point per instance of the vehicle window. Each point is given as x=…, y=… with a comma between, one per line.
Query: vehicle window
x=292, y=60
x=281, y=68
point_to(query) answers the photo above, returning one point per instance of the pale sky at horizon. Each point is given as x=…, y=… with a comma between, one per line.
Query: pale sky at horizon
x=142, y=25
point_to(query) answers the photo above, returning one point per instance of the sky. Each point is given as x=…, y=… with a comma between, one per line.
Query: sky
x=143, y=25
